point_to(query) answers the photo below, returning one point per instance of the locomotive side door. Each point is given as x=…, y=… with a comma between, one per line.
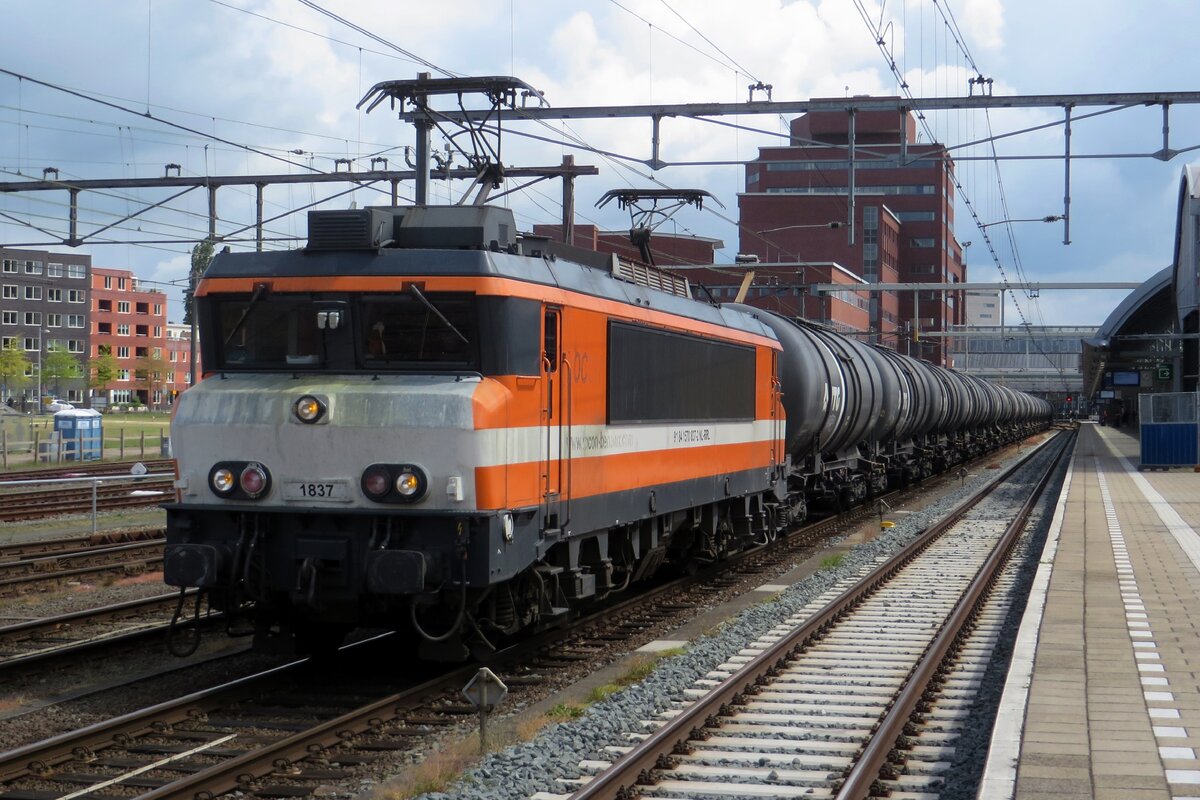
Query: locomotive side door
x=555, y=432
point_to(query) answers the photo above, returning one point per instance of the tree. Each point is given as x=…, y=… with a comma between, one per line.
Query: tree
x=57, y=364
x=151, y=370
x=103, y=369
x=13, y=366
x=202, y=256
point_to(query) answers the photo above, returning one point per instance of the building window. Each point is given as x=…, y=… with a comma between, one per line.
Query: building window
x=122, y=330
x=75, y=320
x=10, y=265
x=33, y=318
x=54, y=270
x=33, y=293
x=11, y=291
x=31, y=344
x=158, y=309
x=76, y=271
x=75, y=345
x=890, y=189
x=9, y=317
x=76, y=296
x=871, y=242
x=121, y=283
x=54, y=320
x=122, y=306
x=54, y=295
x=916, y=216
x=922, y=242
x=123, y=375
x=122, y=352
x=8, y=342
x=108, y=281
x=173, y=354
x=33, y=268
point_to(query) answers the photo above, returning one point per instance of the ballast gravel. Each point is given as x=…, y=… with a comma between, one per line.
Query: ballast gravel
x=555, y=754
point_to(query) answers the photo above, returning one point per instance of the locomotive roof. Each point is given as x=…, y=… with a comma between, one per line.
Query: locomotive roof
x=556, y=272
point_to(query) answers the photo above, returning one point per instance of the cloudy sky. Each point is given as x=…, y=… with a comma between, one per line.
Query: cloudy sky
x=239, y=87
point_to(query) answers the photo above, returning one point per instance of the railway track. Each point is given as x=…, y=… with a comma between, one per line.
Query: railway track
x=87, y=469
x=47, y=572
x=279, y=734
x=73, y=499
x=820, y=707
x=140, y=622
x=13, y=551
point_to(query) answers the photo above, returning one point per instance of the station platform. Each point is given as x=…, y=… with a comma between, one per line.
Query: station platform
x=1103, y=697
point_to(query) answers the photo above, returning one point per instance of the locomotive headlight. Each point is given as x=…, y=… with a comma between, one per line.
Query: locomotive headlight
x=253, y=480
x=408, y=483
x=221, y=480
x=308, y=409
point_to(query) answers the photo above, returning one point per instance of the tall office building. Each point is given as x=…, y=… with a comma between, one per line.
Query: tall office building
x=812, y=214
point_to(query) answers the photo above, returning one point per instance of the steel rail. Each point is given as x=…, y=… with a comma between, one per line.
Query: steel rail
x=864, y=775
x=620, y=780
x=86, y=469
x=100, y=614
x=107, y=555
x=39, y=757
x=37, y=548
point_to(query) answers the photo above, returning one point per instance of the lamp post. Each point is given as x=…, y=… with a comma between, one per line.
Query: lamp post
x=41, y=347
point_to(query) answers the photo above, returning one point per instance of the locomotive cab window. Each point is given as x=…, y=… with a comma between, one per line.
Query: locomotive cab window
x=267, y=331
x=416, y=329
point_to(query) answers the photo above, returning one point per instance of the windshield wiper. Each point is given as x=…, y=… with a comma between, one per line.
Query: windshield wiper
x=260, y=290
x=412, y=287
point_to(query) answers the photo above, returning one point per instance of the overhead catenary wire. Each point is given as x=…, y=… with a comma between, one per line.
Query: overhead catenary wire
x=923, y=121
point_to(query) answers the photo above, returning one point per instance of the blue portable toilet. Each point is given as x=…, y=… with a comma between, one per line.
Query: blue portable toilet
x=82, y=434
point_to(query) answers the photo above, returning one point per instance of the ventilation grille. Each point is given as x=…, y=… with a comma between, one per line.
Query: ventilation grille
x=650, y=277
x=353, y=229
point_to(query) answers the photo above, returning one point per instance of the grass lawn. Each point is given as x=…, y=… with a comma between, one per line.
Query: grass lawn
x=126, y=436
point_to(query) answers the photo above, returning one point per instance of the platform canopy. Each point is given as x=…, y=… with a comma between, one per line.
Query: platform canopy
x=1137, y=336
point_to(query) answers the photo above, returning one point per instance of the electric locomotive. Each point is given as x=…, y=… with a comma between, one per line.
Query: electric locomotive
x=421, y=422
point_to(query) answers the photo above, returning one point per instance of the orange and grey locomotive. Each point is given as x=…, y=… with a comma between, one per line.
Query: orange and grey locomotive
x=423, y=421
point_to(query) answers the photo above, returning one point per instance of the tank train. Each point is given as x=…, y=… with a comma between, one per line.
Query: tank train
x=423, y=421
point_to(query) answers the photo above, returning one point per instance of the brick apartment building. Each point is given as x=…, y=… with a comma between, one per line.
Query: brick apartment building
x=131, y=323
x=43, y=307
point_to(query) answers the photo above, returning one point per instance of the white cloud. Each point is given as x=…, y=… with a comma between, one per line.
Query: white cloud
x=259, y=82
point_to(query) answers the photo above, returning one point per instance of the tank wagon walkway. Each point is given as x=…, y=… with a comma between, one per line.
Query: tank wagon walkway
x=1104, y=697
